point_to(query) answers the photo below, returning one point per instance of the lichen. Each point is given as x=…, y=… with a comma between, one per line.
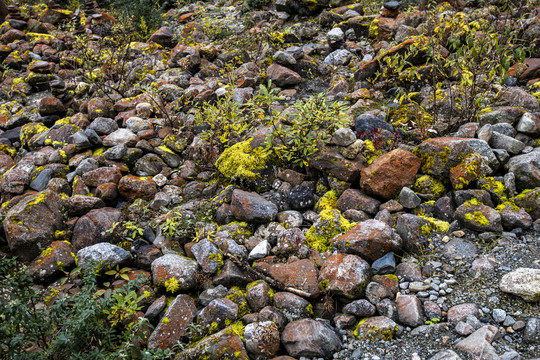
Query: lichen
x=477, y=217
x=240, y=161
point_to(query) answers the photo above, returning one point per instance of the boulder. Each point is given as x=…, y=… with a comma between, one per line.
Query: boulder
x=345, y=275
x=310, y=338
x=92, y=228
x=179, y=268
x=523, y=282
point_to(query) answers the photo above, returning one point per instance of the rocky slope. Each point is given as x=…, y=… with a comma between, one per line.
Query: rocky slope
x=403, y=225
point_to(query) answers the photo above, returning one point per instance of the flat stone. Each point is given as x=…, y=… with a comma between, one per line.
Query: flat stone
x=523, y=282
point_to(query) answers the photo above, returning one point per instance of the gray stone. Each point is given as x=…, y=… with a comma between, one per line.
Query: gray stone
x=410, y=310
x=260, y=251
x=384, y=265
x=478, y=344
x=529, y=124
x=169, y=266
x=501, y=141
x=361, y=308
x=106, y=256
x=498, y=315
x=445, y=355
x=41, y=181
x=252, y=207
x=81, y=141
x=338, y=58
x=220, y=311
x=262, y=339
x=409, y=199
x=208, y=256
x=284, y=58
x=464, y=329
x=343, y=137
x=103, y=126
x=531, y=333
x=335, y=35
x=211, y=294
x=485, y=133
x=120, y=137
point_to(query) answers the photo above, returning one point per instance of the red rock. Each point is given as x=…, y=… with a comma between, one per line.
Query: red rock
x=107, y=192
x=163, y=36
x=134, y=187
x=529, y=69
x=472, y=167
x=301, y=275
x=370, y=239
x=330, y=161
x=99, y=108
x=355, y=199
x=12, y=35
x=410, y=310
x=53, y=16
x=58, y=256
x=102, y=176
x=51, y=106
x=174, y=324
x=479, y=217
x=460, y=312
x=345, y=275
x=282, y=76
x=388, y=174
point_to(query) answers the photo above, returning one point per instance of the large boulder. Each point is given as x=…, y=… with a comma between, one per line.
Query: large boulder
x=345, y=275
x=30, y=226
x=523, y=282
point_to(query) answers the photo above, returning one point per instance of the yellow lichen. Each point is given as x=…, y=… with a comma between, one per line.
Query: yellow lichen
x=240, y=161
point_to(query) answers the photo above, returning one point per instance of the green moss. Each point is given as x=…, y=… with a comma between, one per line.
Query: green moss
x=374, y=28
x=29, y=130
x=428, y=184
x=238, y=328
x=330, y=224
x=240, y=161
x=492, y=185
x=327, y=202
x=323, y=285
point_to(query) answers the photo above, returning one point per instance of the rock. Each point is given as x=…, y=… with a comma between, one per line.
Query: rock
x=376, y=292
x=470, y=169
x=410, y=310
x=259, y=295
x=355, y=199
x=370, y=239
x=100, y=176
x=163, y=36
x=177, y=267
x=103, y=126
x=335, y=35
x=91, y=228
x=208, y=295
x=531, y=334
x=262, y=339
x=57, y=257
x=478, y=344
x=310, y=338
x=376, y=327
x=513, y=217
x=409, y=199
x=282, y=76
x=284, y=58
x=464, y=329
x=439, y=155
x=384, y=265
x=301, y=197
x=252, y=207
x=409, y=271
x=219, y=312
x=293, y=304
x=460, y=312
x=301, y=275
x=31, y=224
x=515, y=96
x=345, y=275
x=106, y=256
x=501, y=141
x=479, y=217
x=498, y=315
x=339, y=57
x=343, y=137
x=260, y=251
x=174, y=324
x=411, y=230
x=223, y=345
x=446, y=355
x=51, y=106
x=523, y=282
x=366, y=124
x=121, y=137
x=361, y=308
x=134, y=187
x=529, y=124
x=208, y=256
x=332, y=162
x=388, y=174
x=79, y=205
x=482, y=268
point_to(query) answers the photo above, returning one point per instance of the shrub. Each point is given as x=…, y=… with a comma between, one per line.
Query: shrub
x=300, y=134
x=89, y=324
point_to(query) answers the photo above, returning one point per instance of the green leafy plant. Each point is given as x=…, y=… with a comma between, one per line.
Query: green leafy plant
x=300, y=134
x=79, y=325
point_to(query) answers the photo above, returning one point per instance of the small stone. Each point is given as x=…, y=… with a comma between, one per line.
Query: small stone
x=384, y=265
x=335, y=35
x=498, y=315
x=464, y=329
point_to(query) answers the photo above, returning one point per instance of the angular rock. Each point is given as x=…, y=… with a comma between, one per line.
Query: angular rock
x=31, y=224
x=134, y=187
x=388, y=174
x=174, y=324
x=410, y=310
x=252, y=207
x=282, y=76
x=478, y=344
x=106, y=256
x=219, y=311
x=57, y=257
x=310, y=338
x=208, y=256
x=361, y=308
x=355, y=199
x=262, y=339
x=169, y=266
x=460, y=312
x=300, y=274
x=376, y=327
x=345, y=275
x=479, y=217
x=370, y=239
